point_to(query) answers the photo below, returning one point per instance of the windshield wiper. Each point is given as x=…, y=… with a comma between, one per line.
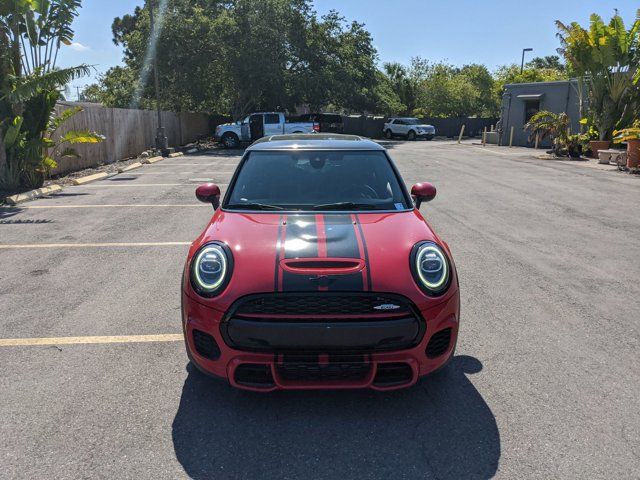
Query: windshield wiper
x=344, y=206
x=254, y=206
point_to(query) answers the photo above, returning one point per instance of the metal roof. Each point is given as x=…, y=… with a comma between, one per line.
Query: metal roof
x=317, y=141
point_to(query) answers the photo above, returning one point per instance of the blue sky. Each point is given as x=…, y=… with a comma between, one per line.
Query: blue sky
x=492, y=32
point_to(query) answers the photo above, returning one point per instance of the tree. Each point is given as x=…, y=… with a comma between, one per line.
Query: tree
x=91, y=94
x=31, y=85
x=551, y=62
x=236, y=56
x=605, y=58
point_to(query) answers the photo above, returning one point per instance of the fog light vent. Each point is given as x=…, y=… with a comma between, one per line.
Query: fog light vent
x=205, y=345
x=254, y=375
x=392, y=374
x=439, y=343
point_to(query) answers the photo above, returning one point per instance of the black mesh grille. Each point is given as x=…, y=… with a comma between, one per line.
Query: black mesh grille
x=337, y=368
x=439, y=343
x=322, y=303
x=390, y=374
x=205, y=345
x=254, y=375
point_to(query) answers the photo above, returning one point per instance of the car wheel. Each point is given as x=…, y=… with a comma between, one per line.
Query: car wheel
x=230, y=140
x=429, y=138
x=388, y=134
x=411, y=135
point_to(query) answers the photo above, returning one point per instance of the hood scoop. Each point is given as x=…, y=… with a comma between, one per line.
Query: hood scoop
x=322, y=266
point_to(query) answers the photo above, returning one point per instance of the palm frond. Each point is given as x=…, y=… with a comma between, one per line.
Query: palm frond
x=28, y=86
x=81, y=136
x=57, y=120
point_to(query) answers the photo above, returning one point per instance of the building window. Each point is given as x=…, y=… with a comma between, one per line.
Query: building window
x=531, y=107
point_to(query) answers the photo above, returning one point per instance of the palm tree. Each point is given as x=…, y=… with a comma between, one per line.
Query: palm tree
x=605, y=57
x=548, y=124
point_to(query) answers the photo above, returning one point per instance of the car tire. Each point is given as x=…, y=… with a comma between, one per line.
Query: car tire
x=388, y=134
x=429, y=138
x=411, y=135
x=230, y=140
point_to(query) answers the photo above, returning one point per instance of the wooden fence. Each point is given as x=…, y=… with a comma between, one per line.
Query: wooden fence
x=127, y=132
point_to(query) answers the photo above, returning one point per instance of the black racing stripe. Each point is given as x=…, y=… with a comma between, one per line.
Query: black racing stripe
x=301, y=239
x=366, y=252
x=292, y=282
x=341, y=236
x=278, y=247
x=346, y=283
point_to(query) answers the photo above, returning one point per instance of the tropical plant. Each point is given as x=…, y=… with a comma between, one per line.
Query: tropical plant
x=626, y=134
x=31, y=85
x=548, y=124
x=605, y=58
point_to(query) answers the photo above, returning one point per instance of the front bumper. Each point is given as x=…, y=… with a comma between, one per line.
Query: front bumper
x=330, y=366
x=427, y=135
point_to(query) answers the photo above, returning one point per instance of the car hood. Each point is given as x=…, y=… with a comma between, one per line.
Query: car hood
x=318, y=252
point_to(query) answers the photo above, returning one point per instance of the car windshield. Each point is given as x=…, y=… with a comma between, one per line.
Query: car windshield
x=412, y=121
x=317, y=180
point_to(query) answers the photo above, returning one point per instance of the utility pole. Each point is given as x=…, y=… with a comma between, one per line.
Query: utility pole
x=161, y=138
x=522, y=63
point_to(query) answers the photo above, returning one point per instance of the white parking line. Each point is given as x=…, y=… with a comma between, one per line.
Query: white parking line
x=92, y=245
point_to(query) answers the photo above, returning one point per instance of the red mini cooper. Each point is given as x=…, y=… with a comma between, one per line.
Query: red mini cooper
x=318, y=271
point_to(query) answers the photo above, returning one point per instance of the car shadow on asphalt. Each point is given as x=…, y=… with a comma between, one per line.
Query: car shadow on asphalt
x=441, y=428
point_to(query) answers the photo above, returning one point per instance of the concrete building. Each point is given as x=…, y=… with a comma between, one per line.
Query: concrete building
x=521, y=101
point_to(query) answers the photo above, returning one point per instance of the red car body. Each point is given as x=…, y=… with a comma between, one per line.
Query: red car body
x=319, y=300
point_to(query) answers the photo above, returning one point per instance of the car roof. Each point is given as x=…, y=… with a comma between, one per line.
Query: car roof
x=314, y=141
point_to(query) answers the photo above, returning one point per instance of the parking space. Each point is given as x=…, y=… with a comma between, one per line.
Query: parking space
x=546, y=366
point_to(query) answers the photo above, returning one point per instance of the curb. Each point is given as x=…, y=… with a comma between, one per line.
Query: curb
x=133, y=166
x=152, y=160
x=89, y=178
x=176, y=154
x=31, y=195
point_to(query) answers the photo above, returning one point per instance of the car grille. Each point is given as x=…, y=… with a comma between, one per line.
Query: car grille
x=337, y=368
x=322, y=304
x=439, y=343
x=322, y=322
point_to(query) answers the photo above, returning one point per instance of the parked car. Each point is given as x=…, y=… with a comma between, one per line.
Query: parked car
x=317, y=270
x=258, y=125
x=329, y=122
x=410, y=128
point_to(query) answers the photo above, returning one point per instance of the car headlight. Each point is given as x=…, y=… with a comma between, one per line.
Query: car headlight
x=211, y=269
x=430, y=268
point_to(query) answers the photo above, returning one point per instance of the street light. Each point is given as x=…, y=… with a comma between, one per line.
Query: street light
x=161, y=138
x=522, y=63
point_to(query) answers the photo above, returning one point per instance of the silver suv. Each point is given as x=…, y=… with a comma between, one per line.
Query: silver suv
x=410, y=128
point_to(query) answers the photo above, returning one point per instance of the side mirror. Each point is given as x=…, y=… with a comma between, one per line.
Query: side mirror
x=209, y=193
x=423, y=192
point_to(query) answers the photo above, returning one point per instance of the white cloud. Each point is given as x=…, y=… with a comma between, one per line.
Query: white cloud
x=78, y=47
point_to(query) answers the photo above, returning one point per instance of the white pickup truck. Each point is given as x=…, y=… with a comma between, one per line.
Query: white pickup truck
x=258, y=125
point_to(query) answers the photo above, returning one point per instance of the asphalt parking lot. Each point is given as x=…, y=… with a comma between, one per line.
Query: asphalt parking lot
x=545, y=382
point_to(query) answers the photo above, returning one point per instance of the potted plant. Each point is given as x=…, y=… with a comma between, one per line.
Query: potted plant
x=632, y=137
x=574, y=146
x=591, y=139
